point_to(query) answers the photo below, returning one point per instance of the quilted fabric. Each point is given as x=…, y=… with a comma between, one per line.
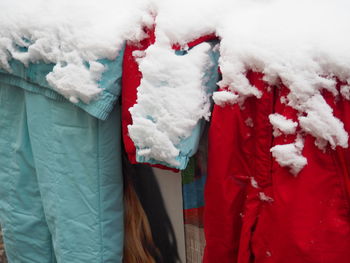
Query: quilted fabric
x=61, y=196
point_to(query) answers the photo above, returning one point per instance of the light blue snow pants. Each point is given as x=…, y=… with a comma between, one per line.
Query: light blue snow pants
x=61, y=192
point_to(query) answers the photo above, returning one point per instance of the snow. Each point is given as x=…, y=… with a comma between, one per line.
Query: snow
x=345, y=91
x=296, y=43
x=224, y=97
x=282, y=124
x=265, y=198
x=321, y=123
x=183, y=21
x=171, y=99
x=70, y=34
x=62, y=79
x=290, y=155
x=253, y=182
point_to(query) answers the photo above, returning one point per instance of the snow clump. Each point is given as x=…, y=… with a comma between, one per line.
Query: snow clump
x=171, y=99
x=290, y=155
x=296, y=43
x=282, y=124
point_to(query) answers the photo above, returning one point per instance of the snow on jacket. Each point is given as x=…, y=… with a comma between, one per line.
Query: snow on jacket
x=33, y=79
x=156, y=108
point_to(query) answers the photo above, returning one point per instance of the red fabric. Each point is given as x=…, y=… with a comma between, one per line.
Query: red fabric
x=308, y=220
x=130, y=81
x=194, y=216
x=196, y=41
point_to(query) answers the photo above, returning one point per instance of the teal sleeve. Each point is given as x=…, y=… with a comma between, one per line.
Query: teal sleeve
x=33, y=78
x=188, y=146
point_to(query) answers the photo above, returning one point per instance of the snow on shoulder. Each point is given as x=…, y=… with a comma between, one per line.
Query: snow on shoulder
x=172, y=96
x=73, y=35
x=170, y=99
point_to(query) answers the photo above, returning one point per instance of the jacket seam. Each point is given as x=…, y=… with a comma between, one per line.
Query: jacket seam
x=340, y=181
x=99, y=190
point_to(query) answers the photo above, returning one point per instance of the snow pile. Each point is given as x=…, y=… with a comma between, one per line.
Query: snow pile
x=290, y=155
x=321, y=123
x=225, y=97
x=183, y=21
x=282, y=124
x=298, y=43
x=345, y=91
x=74, y=35
x=171, y=99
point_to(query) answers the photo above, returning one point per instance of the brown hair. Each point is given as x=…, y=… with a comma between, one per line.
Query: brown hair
x=138, y=242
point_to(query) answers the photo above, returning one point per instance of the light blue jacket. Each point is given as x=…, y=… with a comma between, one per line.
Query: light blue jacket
x=33, y=79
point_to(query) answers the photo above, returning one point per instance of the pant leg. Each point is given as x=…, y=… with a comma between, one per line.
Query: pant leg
x=26, y=235
x=79, y=173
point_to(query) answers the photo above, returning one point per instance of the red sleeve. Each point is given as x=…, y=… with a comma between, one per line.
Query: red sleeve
x=130, y=81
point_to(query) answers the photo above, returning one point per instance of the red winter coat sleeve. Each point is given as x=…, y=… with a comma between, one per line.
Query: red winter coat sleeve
x=130, y=81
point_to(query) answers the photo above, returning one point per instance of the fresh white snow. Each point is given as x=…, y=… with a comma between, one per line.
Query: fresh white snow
x=282, y=124
x=171, y=99
x=225, y=97
x=345, y=91
x=298, y=43
x=301, y=44
x=290, y=155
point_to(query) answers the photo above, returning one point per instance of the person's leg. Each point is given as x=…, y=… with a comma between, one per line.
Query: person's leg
x=26, y=235
x=79, y=173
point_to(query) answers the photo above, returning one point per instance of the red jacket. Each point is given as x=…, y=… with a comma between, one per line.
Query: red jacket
x=302, y=219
